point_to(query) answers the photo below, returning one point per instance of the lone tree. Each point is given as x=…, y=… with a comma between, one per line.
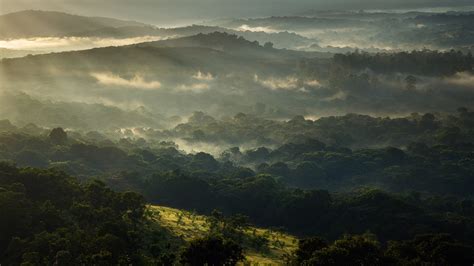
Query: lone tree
x=212, y=251
x=58, y=136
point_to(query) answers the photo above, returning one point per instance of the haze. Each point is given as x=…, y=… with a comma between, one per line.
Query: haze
x=227, y=132
x=180, y=12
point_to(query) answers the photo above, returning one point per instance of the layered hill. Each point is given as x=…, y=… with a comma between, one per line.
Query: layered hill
x=203, y=51
x=178, y=76
x=32, y=23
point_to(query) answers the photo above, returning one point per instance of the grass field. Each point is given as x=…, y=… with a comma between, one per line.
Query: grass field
x=188, y=226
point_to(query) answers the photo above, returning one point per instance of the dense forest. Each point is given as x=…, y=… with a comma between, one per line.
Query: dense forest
x=53, y=219
x=425, y=62
x=419, y=190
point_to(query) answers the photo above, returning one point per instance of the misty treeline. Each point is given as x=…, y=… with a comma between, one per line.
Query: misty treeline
x=159, y=84
x=424, y=62
x=311, y=30
x=337, y=31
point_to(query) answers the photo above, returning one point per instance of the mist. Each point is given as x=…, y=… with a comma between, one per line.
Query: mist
x=62, y=44
x=182, y=12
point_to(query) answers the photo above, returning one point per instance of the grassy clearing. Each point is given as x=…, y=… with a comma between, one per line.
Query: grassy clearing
x=188, y=226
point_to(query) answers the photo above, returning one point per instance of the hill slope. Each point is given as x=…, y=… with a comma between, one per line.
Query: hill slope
x=188, y=226
x=215, y=52
x=32, y=23
x=177, y=76
x=232, y=44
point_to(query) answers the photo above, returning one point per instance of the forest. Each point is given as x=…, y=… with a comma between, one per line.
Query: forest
x=290, y=135
x=412, y=192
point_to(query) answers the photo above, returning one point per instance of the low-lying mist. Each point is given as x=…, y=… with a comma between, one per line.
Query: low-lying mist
x=61, y=44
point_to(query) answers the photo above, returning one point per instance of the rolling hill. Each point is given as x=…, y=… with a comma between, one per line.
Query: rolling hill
x=216, y=53
x=12, y=53
x=282, y=39
x=234, y=44
x=175, y=76
x=33, y=23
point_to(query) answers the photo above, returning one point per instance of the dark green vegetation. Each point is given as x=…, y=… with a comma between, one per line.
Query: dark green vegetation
x=425, y=186
x=49, y=218
x=52, y=219
x=430, y=249
x=212, y=251
x=425, y=62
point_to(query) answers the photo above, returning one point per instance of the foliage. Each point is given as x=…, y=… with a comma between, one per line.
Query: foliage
x=260, y=245
x=212, y=251
x=49, y=218
x=424, y=62
x=432, y=249
x=305, y=185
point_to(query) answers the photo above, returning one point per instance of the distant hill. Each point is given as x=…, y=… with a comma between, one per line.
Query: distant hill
x=230, y=44
x=34, y=23
x=217, y=41
x=193, y=71
x=292, y=23
x=215, y=53
x=279, y=39
x=10, y=53
x=29, y=24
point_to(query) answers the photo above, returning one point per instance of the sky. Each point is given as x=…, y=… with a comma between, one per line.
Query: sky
x=162, y=12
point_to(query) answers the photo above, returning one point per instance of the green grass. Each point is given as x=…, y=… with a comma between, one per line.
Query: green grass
x=188, y=226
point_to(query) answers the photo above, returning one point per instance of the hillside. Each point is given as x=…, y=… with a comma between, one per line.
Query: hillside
x=197, y=72
x=33, y=23
x=294, y=23
x=232, y=44
x=279, y=39
x=11, y=53
x=188, y=226
x=215, y=53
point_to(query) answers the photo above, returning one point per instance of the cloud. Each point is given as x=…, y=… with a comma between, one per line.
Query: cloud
x=246, y=27
x=203, y=76
x=286, y=83
x=53, y=44
x=196, y=87
x=463, y=79
x=137, y=82
x=290, y=83
x=205, y=79
x=313, y=83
